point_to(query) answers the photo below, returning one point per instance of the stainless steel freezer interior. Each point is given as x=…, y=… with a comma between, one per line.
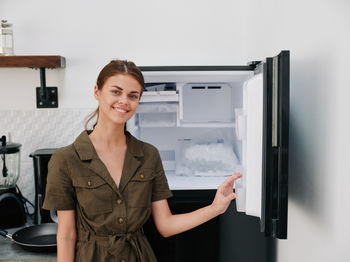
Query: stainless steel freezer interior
x=211, y=121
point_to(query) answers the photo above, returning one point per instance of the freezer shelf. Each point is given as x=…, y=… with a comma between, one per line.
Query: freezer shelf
x=159, y=114
x=177, y=182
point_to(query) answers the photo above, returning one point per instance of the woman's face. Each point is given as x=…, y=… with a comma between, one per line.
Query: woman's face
x=118, y=98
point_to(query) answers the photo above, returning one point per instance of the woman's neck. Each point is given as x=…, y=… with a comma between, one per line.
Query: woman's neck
x=110, y=137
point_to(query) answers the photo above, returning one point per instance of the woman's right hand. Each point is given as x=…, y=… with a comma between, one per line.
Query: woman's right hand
x=224, y=194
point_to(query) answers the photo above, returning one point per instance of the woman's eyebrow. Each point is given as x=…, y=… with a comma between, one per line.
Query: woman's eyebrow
x=118, y=87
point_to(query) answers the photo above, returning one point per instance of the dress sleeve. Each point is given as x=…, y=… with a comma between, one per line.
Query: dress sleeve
x=60, y=193
x=160, y=188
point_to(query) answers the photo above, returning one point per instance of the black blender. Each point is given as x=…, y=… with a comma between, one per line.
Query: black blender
x=12, y=203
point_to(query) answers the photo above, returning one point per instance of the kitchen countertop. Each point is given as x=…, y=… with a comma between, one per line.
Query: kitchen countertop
x=10, y=251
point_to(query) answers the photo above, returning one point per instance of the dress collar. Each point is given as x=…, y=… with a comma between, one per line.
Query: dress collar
x=86, y=150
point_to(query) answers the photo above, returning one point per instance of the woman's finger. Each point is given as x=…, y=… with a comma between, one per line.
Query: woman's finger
x=230, y=180
x=227, y=185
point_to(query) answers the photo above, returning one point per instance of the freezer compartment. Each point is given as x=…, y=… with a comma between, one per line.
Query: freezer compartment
x=191, y=118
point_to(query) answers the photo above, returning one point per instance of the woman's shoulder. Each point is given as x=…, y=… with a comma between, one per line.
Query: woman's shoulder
x=79, y=146
x=63, y=153
x=65, y=150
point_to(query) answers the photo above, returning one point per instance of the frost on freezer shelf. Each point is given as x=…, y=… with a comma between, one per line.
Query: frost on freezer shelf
x=208, y=160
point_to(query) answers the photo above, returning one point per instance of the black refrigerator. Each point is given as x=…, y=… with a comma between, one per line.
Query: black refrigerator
x=207, y=123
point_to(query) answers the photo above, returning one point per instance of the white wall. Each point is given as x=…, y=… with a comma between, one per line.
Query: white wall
x=90, y=33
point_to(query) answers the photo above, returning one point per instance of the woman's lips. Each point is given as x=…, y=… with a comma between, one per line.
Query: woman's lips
x=120, y=110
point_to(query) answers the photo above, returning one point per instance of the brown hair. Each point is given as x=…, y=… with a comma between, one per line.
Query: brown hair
x=113, y=68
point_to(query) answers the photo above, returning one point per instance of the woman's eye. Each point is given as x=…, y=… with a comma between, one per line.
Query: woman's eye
x=134, y=97
x=116, y=92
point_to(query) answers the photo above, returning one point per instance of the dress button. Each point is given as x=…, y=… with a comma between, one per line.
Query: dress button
x=142, y=176
x=119, y=201
x=89, y=183
x=121, y=220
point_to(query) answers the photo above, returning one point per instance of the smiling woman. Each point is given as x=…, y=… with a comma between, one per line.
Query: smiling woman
x=107, y=183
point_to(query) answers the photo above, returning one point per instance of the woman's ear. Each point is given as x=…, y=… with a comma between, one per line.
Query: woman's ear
x=96, y=92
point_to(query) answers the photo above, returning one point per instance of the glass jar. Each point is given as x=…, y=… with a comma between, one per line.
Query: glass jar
x=9, y=163
x=6, y=38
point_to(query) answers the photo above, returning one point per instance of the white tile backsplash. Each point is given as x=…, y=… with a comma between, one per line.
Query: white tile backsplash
x=36, y=129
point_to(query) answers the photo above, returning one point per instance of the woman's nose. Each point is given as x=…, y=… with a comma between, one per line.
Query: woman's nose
x=123, y=99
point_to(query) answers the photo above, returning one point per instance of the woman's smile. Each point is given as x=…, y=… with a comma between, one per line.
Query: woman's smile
x=121, y=110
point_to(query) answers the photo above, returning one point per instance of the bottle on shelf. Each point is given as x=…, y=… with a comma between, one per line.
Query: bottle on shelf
x=6, y=38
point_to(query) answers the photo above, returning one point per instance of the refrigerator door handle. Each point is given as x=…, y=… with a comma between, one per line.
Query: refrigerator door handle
x=275, y=102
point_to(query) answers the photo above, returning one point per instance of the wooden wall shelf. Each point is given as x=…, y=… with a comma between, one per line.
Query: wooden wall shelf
x=46, y=97
x=41, y=61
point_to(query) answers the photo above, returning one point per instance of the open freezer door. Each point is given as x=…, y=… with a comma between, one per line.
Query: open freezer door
x=263, y=128
x=275, y=146
x=249, y=192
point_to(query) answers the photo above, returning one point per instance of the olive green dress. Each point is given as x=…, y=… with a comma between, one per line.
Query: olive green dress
x=109, y=219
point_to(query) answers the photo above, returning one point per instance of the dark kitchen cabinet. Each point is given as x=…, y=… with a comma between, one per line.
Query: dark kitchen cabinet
x=198, y=244
x=241, y=241
x=232, y=236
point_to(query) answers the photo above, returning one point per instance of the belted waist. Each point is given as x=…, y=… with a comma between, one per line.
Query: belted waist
x=117, y=241
x=86, y=236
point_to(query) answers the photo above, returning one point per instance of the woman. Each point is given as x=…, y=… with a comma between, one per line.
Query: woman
x=107, y=183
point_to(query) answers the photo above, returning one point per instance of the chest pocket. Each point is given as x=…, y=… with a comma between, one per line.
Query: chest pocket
x=94, y=195
x=139, y=188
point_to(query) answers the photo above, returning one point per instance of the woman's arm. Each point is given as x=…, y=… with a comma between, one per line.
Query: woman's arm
x=66, y=236
x=169, y=224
